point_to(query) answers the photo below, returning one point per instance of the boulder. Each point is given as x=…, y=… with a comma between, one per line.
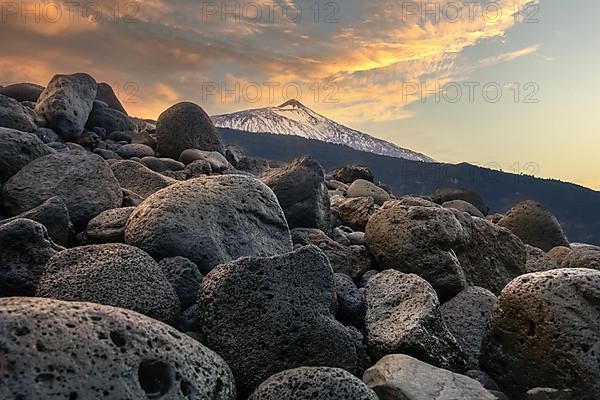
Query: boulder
x=106, y=95
x=69, y=350
x=545, y=332
x=14, y=115
x=351, y=173
x=108, y=226
x=66, y=103
x=162, y=164
x=535, y=225
x=139, y=179
x=443, y=195
x=583, y=257
x=266, y=315
x=419, y=240
x=217, y=161
x=400, y=377
x=84, y=181
x=310, y=383
x=210, y=220
x=54, y=215
x=559, y=253
x=23, y=91
x=47, y=135
x=185, y=277
x=538, y=261
x=185, y=126
x=467, y=316
x=143, y=137
x=354, y=212
x=301, y=191
x=17, y=149
x=135, y=150
x=109, y=119
x=25, y=248
x=253, y=165
x=464, y=206
x=403, y=316
x=113, y=274
x=362, y=188
x=350, y=302
x=198, y=169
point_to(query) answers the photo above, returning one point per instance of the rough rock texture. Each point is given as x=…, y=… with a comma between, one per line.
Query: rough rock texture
x=108, y=226
x=350, y=173
x=419, y=240
x=301, y=191
x=66, y=103
x=25, y=247
x=354, y=212
x=217, y=161
x=162, y=164
x=109, y=119
x=54, y=215
x=266, y=315
x=23, y=91
x=350, y=302
x=210, y=220
x=14, y=115
x=403, y=316
x=545, y=332
x=362, y=188
x=135, y=150
x=467, y=316
x=139, y=179
x=113, y=274
x=559, y=253
x=443, y=195
x=65, y=350
x=84, y=181
x=310, y=383
x=185, y=126
x=185, y=277
x=538, y=261
x=106, y=94
x=401, y=377
x=464, y=206
x=535, y=225
x=17, y=149
x=583, y=257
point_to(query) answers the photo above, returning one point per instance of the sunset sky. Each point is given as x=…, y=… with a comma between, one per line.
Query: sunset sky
x=356, y=62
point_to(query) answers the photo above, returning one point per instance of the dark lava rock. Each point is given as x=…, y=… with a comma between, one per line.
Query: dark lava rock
x=25, y=247
x=583, y=257
x=23, y=91
x=535, y=225
x=403, y=316
x=185, y=277
x=467, y=316
x=538, y=261
x=108, y=226
x=106, y=95
x=401, y=377
x=350, y=302
x=109, y=119
x=135, y=150
x=266, y=315
x=463, y=206
x=443, y=195
x=210, y=220
x=14, y=115
x=354, y=212
x=310, y=383
x=139, y=179
x=217, y=161
x=17, y=149
x=362, y=188
x=350, y=173
x=67, y=350
x=185, y=126
x=113, y=274
x=545, y=332
x=162, y=164
x=559, y=253
x=84, y=181
x=54, y=215
x=66, y=103
x=301, y=191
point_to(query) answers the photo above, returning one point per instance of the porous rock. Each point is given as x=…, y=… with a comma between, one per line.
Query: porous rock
x=108, y=226
x=139, y=179
x=17, y=149
x=185, y=277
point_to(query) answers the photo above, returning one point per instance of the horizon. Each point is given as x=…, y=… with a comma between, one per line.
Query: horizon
x=391, y=69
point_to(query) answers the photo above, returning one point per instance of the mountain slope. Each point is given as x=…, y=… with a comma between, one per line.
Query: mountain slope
x=573, y=205
x=293, y=118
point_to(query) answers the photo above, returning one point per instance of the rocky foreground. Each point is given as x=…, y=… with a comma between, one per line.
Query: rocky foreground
x=143, y=259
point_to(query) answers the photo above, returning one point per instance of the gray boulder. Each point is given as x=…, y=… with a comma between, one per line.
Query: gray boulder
x=403, y=316
x=559, y=253
x=185, y=126
x=108, y=226
x=17, y=149
x=106, y=95
x=135, y=150
x=301, y=191
x=84, y=181
x=446, y=194
x=162, y=164
x=463, y=206
x=14, y=115
x=217, y=161
x=266, y=315
x=401, y=377
x=25, y=248
x=310, y=383
x=112, y=274
x=109, y=119
x=538, y=260
x=94, y=351
x=583, y=257
x=22, y=91
x=351, y=173
x=354, y=212
x=139, y=179
x=350, y=302
x=362, y=188
x=185, y=277
x=545, y=332
x=534, y=225
x=467, y=316
x=66, y=103
x=210, y=220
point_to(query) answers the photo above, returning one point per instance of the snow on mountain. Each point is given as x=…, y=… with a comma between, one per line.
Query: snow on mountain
x=293, y=118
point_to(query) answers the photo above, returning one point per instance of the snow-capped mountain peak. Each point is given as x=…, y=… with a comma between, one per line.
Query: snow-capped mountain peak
x=294, y=118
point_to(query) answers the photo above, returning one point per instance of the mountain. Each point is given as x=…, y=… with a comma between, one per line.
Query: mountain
x=294, y=118
x=574, y=206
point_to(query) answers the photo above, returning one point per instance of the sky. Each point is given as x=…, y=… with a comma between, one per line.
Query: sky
x=500, y=84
